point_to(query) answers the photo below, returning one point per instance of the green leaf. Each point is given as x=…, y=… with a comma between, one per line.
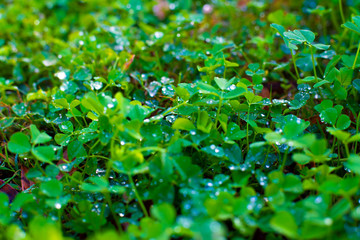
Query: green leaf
x=281, y=31
x=62, y=139
x=299, y=36
x=340, y=91
x=292, y=183
x=204, y=122
x=75, y=150
x=356, y=84
x=321, y=46
x=301, y=158
x=74, y=104
x=61, y=103
x=353, y=26
x=341, y=135
x=234, y=93
x=37, y=137
x=6, y=122
x=214, y=150
x=66, y=127
x=19, y=143
x=231, y=64
x=340, y=209
x=82, y=74
x=99, y=184
x=329, y=115
x=354, y=138
x=345, y=76
x=284, y=223
x=254, y=66
x=19, y=109
x=252, y=98
x=182, y=93
x=308, y=35
x=207, y=89
x=330, y=66
x=348, y=61
x=221, y=82
x=353, y=163
x=183, y=124
x=343, y=122
x=5, y=216
x=234, y=132
x=322, y=82
x=52, y=188
x=165, y=213
x=91, y=102
x=44, y=153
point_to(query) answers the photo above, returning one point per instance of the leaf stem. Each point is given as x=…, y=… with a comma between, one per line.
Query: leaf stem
x=284, y=158
x=313, y=63
x=172, y=109
x=356, y=57
x=108, y=199
x=357, y=129
x=293, y=60
x=341, y=11
x=138, y=196
x=347, y=150
x=218, y=111
x=247, y=128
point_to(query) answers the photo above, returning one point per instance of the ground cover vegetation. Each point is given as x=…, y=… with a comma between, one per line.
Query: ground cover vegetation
x=182, y=119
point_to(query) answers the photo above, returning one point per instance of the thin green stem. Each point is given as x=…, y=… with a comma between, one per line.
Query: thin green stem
x=313, y=63
x=334, y=18
x=245, y=56
x=293, y=60
x=112, y=151
x=266, y=157
x=218, y=111
x=347, y=149
x=356, y=56
x=324, y=26
x=341, y=39
x=357, y=129
x=247, y=128
x=82, y=126
x=9, y=180
x=172, y=109
x=284, y=159
x=138, y=196
x=292, y=75
x=341, y=11
x=224, y=74
x=108, y=199
x=158, y=61
x=179, y=78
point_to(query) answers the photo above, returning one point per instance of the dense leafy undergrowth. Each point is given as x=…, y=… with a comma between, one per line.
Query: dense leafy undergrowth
x=183, y=119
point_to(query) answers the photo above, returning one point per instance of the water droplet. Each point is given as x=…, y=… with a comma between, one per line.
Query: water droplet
x=96, y=85
x=61, y=75
x=328, y=221
x=158, y=35
x=318, y=200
